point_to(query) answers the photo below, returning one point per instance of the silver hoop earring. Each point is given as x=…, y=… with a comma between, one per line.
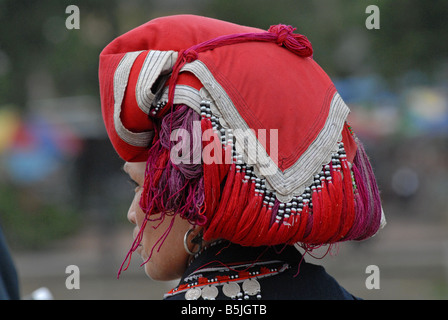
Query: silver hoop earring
x=196, y=240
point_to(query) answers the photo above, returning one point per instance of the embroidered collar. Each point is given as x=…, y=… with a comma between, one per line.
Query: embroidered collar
x=231, y=271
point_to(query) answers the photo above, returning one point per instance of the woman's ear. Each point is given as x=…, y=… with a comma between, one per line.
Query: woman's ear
x=193, y=240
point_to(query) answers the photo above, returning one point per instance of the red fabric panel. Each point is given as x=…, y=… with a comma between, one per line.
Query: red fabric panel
x=268, y=95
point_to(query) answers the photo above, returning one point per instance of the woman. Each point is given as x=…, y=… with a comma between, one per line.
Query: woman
x=240, y=150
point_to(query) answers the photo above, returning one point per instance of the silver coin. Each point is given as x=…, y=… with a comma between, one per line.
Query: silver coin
x=193, y=294
x=209, y=292
x=231, y=289
x=251, y=287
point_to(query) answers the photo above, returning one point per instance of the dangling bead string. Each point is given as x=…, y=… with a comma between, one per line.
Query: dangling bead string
x=336, y=205
x=228, y=153
x=210, y=166
x=275, y=217
x=301, y=221
x=349, y=201
x=337, y=191
x=317, y=216
x=228, y=172
x=250, y=213
x=307, y=211
x=327, y=210
x=282, y=220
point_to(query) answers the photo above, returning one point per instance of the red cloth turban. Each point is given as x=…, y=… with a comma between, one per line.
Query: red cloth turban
x=296, y=172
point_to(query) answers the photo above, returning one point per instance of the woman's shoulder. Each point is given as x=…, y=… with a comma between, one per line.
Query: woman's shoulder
x=235, y=272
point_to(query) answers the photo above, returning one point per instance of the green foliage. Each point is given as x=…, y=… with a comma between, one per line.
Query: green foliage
x=29, y=222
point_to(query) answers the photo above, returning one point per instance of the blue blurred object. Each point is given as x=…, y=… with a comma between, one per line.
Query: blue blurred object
x=38, y=150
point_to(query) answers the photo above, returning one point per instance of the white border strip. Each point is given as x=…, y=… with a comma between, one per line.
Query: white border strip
x=155, y=64
x=293, y=181
x=121, y=76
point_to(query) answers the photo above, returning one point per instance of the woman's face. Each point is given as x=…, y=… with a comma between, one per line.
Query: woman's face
x=170, y=261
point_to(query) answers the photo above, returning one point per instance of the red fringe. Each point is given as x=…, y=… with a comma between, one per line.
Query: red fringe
x=241, y=200
x=243, y=217
x=232, y=203
x=260, y=226
x=349, y=202
x=226, y=162
x=335, y=211
x=218, y=216
x=285, y=230
x=212, y=181
x=272, y=232
x=303, y=221
x=315, y=219
x=249, y=219
x=273, y=224
x=337, y=190
x=249, y=215
x=328, y=214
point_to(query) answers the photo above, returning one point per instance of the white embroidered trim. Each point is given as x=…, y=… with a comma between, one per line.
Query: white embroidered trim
x=156, y=63
x=293, y=181
x=121, y=76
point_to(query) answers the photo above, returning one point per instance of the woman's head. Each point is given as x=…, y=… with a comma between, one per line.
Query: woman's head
x=149, y=233
x=237, y=132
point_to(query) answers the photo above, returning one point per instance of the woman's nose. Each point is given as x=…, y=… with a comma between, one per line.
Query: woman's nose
x=132, y=215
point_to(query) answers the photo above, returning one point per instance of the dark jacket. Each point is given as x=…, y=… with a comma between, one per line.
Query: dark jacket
x=281, y=274
x=9, y=284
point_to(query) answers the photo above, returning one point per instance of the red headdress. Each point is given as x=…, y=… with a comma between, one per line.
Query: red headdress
x=279, y=163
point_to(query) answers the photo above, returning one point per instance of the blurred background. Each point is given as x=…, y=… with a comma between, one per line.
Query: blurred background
x=64, y=197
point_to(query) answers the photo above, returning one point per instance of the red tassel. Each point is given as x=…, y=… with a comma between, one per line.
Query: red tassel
x=349, y=203
x=272, y=232
x=285, y=230
x=218, y=216
x=336, y=206
x=309, y=223
x=253, y=215
x=248, y=215
x=260, y=226
x=303, y=221
x=317, y=218
x=221, y=228
x=273, y=225
x=251, y=204
x=212, y=181
x=329, y=218
x=226, y=162
x=294, y=222
x=337, y=188
x=233, y=225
